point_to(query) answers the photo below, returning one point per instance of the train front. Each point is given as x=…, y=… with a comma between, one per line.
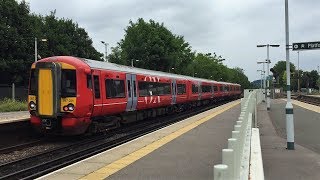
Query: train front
x=54, y=101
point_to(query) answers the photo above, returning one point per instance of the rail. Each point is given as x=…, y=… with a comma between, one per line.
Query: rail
x=242, y=159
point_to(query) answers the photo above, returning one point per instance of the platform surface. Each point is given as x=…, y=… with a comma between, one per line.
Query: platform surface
x=186, y=150
x=9, y=117
x=280, y=163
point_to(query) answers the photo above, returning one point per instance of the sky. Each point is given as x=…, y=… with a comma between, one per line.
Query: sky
x=230, y=28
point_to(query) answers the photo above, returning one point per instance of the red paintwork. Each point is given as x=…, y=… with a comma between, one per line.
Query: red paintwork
x=88, y=107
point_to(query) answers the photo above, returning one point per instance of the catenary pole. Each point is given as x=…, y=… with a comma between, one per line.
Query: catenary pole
x=289, y=107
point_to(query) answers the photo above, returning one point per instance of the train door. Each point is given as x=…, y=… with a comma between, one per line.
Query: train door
x=97, y=107
x=131, y=80
x=174, y=91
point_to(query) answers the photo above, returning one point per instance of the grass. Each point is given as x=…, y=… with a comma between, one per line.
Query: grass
x=7, y=105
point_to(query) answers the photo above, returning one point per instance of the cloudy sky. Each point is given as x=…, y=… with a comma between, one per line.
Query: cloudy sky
x=231, y=28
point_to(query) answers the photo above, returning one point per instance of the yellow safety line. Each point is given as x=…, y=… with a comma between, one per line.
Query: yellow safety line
x=116, y=166
x=307, y=106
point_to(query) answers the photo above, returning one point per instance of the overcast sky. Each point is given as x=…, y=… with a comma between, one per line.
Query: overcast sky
x=231, y=28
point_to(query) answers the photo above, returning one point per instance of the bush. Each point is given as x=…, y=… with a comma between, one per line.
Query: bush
x=7, y=105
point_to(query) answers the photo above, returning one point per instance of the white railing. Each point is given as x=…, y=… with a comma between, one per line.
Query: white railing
x=236, y=158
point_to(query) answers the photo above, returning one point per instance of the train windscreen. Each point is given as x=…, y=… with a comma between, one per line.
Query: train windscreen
x=68, y=83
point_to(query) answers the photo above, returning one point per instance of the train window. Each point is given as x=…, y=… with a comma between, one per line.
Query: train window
x=89, y=81
x=115, y=88
x=129, y=87
x=181, y=88
x=143, y=89
x=153, y=89
x=215, y=88
x=96, y=87
x=134, y=89
x=68, y=83
x=195, y=89
x=32, y=90
x=206, y=89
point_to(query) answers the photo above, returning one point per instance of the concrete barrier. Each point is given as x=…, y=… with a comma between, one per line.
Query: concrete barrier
x=237, y=159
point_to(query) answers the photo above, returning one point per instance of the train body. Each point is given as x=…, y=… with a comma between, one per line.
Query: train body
x=69, y=95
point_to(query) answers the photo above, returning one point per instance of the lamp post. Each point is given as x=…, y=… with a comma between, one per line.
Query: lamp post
x=136, y=60
x=106, y=50
x=261, y=75
x=264, y=79
x=268, y=62
x=289, y=107
x=298, y=72
x=36, y=48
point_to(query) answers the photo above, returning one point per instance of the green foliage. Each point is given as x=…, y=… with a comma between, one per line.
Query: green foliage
x=154, y=46
x=18, y=29
x=7, y=105
x=157, y=48
x=280, y=68
x=318, y=84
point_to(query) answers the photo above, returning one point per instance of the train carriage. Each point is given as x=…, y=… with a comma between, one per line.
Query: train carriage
x=69, y=95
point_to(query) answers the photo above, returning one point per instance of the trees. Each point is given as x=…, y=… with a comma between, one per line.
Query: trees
x=18, y=28
x=154, y=46
x=157, y=48
x=280, y=69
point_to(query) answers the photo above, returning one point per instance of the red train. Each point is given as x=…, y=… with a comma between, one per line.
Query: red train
x=69, y=95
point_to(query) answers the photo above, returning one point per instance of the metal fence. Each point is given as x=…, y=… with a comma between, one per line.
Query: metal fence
x=10, y=91
x=236, y=158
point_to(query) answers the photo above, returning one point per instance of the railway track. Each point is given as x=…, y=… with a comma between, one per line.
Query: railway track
x=308, y=99
x=45, y=162
x=18, y=147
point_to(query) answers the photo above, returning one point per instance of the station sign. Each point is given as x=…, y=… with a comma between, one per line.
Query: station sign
x=305, y=46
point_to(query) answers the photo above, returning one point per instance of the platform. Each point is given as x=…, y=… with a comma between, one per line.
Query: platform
x=185, y=150
x=280, y=163
x=16, y=116
x=190, y=148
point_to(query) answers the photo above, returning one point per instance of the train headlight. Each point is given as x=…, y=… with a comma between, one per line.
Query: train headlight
x=32, y=105
x=70, y=107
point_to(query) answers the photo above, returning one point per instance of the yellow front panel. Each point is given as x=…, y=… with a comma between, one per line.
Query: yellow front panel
x=45, y=93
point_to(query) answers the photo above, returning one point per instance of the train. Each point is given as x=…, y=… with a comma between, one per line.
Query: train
x=73, y=96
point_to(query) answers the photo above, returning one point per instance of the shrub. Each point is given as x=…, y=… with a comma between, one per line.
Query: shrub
x=7, y=105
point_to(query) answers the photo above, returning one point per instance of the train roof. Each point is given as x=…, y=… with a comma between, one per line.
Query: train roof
x=112, y=66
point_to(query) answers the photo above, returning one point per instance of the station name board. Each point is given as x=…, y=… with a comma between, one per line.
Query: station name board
x=305, y=46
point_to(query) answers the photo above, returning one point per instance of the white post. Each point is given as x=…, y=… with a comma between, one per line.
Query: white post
x=233, y=144
x=227, y=159
x=220, y=171
x=289, y=107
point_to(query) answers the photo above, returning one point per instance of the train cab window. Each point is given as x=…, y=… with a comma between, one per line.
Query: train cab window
x=215, y=88
x=96, y=87
x=181, y=88
x=89, y=81
x=115, y=88
x=32, y=90
x=206, y=89
x=195, y=89
x=68, y=83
